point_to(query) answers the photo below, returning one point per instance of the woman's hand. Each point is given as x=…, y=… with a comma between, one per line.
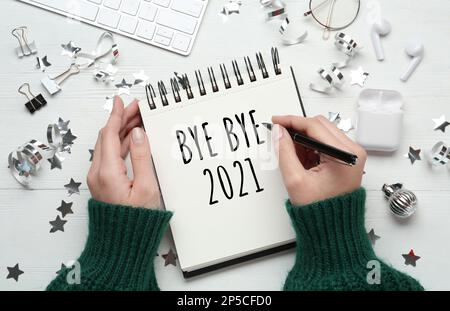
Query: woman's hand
x=307, y=182
x=107, y=178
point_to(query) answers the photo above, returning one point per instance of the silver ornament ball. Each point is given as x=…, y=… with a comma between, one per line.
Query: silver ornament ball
x=402, y=202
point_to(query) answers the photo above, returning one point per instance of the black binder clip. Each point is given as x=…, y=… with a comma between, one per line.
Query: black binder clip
x=226, y=79
x=250, y=71
x=201, y=85
x=187, y=84
x=175, y=90
x=262, y=65
x=237, y=73
x=212, y=78
x=25, y=48
x=150, y=92
x=163, y=93
x=276, y=61
x=34, y=102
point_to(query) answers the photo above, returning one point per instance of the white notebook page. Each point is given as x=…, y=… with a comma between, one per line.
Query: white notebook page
x=236, y=225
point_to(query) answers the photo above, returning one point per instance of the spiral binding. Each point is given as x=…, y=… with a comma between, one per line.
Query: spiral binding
x=180, y=83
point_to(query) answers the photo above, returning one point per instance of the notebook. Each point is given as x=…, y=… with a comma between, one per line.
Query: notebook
x=215, y=162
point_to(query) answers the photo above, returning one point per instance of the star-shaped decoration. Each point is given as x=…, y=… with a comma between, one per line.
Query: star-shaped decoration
x=70, y=49
x=358, y=76
x=57, y=224
x=108, y=104
x=56, y=161
x=63, y=267
x=372, y=236
x=105, y=74
x=63, y=126
x=91, y=152
x=334, y=116
x=233, y=6
x=68, y=138
x=42, y=63
x=170, y=258
x=345, y=125
x=14, y=272
x=440, y=123
x=413, y=155
x=73, y=187
x=410, y=258
x=65, y=208
x=140, y=78
x=123, y=88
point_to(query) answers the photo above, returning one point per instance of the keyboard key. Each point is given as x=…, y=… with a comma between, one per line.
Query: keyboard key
x=164, y=3
x=108, y=18
x=190, y=7
x=77, y=8
x=148, y=12
x=181, y=42
x=162, y=40
x=128, y=24
x=96, y=1
x=112, y=4
x=165, y=32
x=177, y=21
x=145, y=30
x=130, y=6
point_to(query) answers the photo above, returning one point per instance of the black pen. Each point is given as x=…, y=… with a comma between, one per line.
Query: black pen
x=313, y=144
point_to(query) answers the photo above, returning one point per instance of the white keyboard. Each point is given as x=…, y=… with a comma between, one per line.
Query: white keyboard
x=169, y=24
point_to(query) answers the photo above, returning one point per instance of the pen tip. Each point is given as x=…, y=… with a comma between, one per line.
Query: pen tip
x=267, y=125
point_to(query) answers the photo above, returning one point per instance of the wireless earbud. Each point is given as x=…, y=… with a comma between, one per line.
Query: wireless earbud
x=380, y=28
x=415, y=50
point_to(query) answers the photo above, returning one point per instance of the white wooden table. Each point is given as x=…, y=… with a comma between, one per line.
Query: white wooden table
x=24, y=214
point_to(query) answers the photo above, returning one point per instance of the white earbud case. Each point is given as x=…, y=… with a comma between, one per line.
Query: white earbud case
x=380, y=120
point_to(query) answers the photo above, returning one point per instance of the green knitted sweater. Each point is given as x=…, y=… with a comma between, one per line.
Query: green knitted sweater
x=332, y=249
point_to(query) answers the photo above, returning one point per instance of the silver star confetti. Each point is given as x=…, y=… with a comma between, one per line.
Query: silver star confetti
x=70, y=49
x=372, y=236
x=413, y=155
x=358, y=76
x=123, y=88
x=14, y=272
x=56, y=161
x=63, y=267
x=410, y=258
x=334, y=117
x=440, y=124
x=345, y=125
x=73, y=187
x=65, y=208
x=232, y=7
x=91, y=152
x=63, y=126
x=42, y=63
x=170, y=258
x=57, y=224
x=140, y=78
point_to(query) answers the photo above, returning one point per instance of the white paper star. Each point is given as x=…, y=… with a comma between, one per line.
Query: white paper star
x=345, y=125
x=440, y=123
x=358, y=76
x=140, y=78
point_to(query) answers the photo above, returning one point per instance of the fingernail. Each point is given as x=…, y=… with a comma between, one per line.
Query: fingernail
x=138, y=136
x=277, y=133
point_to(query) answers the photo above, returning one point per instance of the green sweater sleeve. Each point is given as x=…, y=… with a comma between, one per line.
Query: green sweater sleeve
x=119, y=251
x=333, y=250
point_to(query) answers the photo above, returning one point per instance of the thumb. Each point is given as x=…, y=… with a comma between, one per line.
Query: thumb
x=141, y=159
x=291, y=168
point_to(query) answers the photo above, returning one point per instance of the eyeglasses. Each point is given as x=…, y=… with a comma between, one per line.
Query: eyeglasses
x=333, y=14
